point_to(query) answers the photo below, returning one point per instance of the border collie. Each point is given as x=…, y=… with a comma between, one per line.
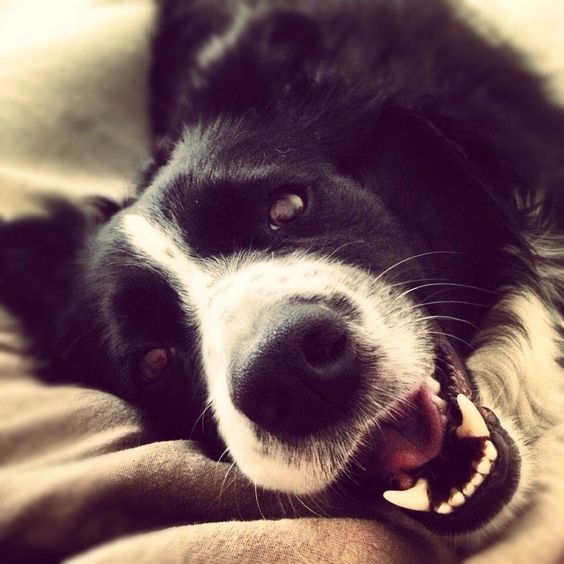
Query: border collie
x=345, y=255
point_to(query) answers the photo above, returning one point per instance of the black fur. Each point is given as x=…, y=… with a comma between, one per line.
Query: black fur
x=407, y=132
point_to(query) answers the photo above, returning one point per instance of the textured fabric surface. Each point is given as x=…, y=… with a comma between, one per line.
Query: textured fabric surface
x=80, y=476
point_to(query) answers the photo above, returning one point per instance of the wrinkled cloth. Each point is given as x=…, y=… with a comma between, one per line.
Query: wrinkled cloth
x=79, y=471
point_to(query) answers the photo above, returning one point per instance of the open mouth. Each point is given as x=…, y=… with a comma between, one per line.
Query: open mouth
x=441, y=455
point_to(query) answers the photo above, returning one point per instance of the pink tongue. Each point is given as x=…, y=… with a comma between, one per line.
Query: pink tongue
x=415, y=439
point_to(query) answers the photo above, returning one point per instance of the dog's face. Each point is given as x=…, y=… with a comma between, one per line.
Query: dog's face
x=307, y=313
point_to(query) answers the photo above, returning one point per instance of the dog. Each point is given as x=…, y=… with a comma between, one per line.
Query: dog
x=345, y=256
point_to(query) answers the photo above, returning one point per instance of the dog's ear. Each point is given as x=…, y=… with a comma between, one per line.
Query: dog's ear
x=431, y=184
x=39, y=258
x=426, y=177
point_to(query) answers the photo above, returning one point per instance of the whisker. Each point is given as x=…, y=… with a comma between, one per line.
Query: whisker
x=281, y=504
x=258, y=504
x=404, y=282
x=439, y=302
x=449, y=318
x=289, y=497
x=450, y=284
x=208, y=405
x=308, y=508
x=231, y=466
x=415, y=257
x=445, y=290
x=222, y=455
x=452, y=337
x=348, y=243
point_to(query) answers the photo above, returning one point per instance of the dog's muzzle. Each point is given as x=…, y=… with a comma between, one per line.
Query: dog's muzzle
x=322, y=376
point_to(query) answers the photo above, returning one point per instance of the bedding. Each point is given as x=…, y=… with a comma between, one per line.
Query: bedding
x=82, y=477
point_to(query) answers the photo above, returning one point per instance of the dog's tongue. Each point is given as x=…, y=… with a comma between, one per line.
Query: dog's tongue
x=413, y=438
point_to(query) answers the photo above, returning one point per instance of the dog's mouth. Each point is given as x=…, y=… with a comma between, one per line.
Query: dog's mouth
x=440, y=455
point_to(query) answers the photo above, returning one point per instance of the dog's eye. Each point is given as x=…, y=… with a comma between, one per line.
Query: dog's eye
x=153, y=364
x=288, y=207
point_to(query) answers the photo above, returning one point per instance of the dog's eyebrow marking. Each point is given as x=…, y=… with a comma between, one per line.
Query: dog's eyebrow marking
x=163, y=249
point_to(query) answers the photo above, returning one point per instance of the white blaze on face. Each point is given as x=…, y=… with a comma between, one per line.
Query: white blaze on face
x=228, y=299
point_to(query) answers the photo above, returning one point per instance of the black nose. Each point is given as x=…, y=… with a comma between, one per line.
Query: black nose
x=299, y=373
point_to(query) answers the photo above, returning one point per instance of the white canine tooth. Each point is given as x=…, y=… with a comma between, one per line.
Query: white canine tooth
x=468, y=489
x=477, y=479
x=473, y=424
x=444, y=509
x=490, y=451
x=484, y=466
x=456, y=499
x=415, y=498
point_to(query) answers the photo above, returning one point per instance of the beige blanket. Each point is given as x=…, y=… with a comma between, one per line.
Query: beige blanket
x=80, y=477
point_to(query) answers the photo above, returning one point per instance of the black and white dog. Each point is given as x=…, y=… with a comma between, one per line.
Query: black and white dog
x=346, y=255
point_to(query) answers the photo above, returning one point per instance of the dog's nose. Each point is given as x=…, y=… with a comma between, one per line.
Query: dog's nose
x=299, y=373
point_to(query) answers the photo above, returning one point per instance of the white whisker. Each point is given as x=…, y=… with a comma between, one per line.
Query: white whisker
x=413, y=258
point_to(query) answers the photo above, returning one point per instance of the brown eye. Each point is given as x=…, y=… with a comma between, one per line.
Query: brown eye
x=153, y=364
x=288, y=207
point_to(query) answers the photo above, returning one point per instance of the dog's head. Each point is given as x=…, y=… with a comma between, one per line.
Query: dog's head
x=305, y=305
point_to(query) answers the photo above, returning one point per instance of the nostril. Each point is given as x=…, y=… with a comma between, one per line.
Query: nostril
x=300, y=373
x=322, y=347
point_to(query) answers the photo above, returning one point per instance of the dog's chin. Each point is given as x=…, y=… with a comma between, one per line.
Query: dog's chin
x=441, y=456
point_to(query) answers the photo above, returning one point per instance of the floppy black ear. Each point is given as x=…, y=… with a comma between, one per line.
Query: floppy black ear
x=428, y=179
x=434, y=188
x=38, y=261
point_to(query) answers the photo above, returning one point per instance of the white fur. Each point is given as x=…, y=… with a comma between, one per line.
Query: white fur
x=162, y=247
x=238, y=302
x=520, y=379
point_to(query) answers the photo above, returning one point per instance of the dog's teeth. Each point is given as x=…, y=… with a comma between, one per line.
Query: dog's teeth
x=415, y=498
x=456, y=499
x=490, y=451
x=477, y=479
x=473, y=424
x=444, y=509
x=469, y=489
x=484, y=466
